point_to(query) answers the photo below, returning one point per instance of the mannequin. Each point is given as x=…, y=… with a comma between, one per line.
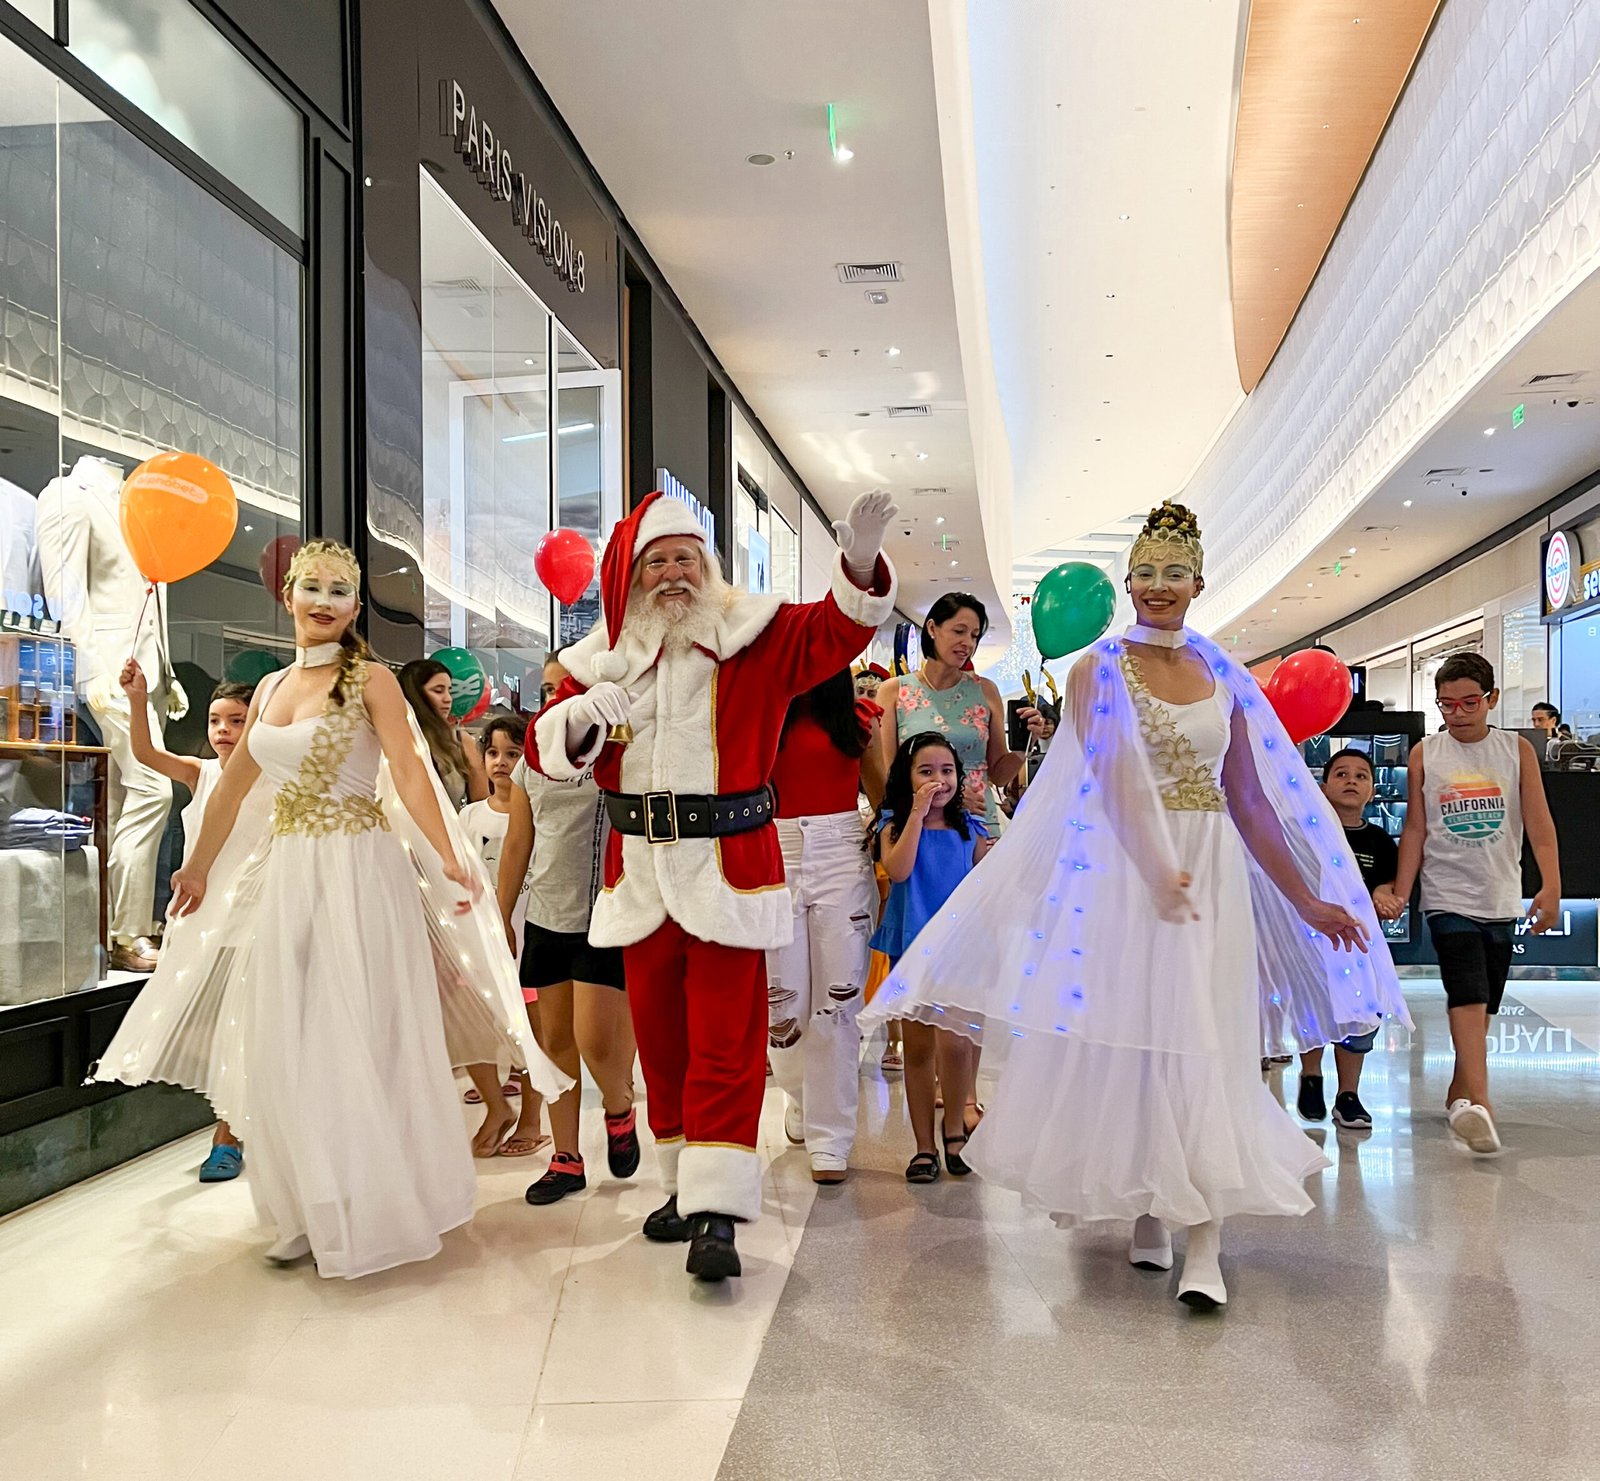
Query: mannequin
x=21, y=591
x=96, y=592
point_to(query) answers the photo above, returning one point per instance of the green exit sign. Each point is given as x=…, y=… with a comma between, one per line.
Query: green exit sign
x=1519, y=414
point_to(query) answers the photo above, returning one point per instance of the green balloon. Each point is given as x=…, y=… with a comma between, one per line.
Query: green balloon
x=252, y=666
x=1072, y=606
x=467, y=680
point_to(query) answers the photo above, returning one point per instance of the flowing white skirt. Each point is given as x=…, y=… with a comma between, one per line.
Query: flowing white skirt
x=355, y=1137
x=1103, y=1126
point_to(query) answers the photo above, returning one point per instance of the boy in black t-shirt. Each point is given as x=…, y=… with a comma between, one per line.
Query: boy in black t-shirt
x=1348, y=784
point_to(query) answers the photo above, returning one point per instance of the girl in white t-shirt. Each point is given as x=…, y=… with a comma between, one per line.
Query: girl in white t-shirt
x=230, y=707
x=504, y=814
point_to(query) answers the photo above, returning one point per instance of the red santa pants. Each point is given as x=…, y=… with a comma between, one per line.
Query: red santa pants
x=700, y=1016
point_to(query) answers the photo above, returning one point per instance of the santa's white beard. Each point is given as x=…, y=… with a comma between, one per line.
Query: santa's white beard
x=676, y=626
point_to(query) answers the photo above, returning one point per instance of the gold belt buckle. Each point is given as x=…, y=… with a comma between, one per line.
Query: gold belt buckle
x=660, y=817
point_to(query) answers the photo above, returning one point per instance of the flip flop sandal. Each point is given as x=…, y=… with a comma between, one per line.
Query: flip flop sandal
x=923, y=1168
x=524, y=1146
x=892, y=1063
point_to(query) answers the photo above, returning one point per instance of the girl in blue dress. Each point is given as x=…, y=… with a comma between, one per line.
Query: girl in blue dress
x=928, y=845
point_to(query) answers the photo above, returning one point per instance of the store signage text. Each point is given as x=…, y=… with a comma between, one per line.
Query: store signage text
x=1558, y=567
x=477, y=144
x=675, y=490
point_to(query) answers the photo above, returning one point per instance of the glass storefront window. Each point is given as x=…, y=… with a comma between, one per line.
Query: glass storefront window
x=167, y=59
x=41, y=12
x=499, y=376
x=1580, y=675
x=137, y=315
x=785, y=559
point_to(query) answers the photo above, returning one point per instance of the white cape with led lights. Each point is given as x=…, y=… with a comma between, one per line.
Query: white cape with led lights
x=1132, y=1080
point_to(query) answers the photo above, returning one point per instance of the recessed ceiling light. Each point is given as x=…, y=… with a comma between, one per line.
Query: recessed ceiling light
x=892, y=350
x=955, y=563
x=922, y=457
x=1124, y=217
x=1408, y=503
x=760, y=159
x=940, y=520
x=1310, y=583
x=1351, y=550
x=1488, y=431
x=248, y=528
x=528, y=362
x=1111, y=295
x=844, y=155
x=1274, y=611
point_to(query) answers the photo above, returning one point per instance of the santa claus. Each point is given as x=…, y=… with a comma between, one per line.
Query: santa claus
x=678, y=702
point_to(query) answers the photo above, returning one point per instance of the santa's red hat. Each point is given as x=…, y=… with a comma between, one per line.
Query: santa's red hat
x=654, y=517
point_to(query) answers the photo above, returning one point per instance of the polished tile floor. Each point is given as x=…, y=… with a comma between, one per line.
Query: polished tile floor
x=1434, y=1317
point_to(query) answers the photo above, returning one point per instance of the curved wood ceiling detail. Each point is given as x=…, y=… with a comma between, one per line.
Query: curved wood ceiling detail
x=1320, y=80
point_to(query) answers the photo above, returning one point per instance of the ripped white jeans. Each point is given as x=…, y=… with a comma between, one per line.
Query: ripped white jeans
x=814, y=984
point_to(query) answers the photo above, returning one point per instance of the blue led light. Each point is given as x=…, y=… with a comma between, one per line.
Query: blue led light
x=1038, y=935
x=1338, y=861
x=1077, y=951
x=1077, y=994
x=1016, y=1033
x=1077, y=910
x=1276, y=998
x=1029, y=970
x=1089, y=749
x=1053, y=899
x=1085, y=789
x=1270, y=743
x=1105, y=673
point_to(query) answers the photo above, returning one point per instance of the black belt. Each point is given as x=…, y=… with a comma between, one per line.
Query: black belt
x=665, y=817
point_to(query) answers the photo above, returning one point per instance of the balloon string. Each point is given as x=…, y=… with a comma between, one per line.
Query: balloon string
x=138, y=627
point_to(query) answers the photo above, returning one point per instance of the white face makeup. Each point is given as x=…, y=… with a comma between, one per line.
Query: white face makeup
x=323, y=602
x=1162, y=591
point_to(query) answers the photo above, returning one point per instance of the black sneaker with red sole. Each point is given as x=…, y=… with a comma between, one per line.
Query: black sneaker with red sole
x=622, y=1143
x=565, y=1176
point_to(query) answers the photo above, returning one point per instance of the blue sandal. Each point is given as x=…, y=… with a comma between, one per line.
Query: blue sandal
x=223, y=1165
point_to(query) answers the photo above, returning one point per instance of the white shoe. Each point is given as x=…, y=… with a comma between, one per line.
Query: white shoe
x=1201, y=1285
x=1473, y=1126
x=828, y=1168
x=1152, y=1244
x=794, y=1121
x=287, y=1251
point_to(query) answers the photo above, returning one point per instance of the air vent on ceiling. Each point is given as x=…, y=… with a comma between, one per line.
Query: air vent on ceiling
x=919, y=409
x=1445, y=473
x=870, y=272
x=1379, y=529
x=929, y=493
x=876, y=296
x=1557, y=378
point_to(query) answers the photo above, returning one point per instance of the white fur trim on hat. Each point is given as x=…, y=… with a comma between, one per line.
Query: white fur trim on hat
x=665, y=518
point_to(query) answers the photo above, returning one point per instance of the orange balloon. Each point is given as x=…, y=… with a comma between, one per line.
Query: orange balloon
x=178, y=514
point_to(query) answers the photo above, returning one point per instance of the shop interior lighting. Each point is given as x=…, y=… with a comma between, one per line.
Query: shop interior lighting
x=1408, y=503
x=892, y=351
x=841, y=153
x=537, y=436
x=1488, y=431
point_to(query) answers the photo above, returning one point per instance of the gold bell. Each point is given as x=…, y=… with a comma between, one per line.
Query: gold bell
x=621, y=735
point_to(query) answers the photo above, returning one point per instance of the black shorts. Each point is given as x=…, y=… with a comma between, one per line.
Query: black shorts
x=1474, y=958
x=553, y=957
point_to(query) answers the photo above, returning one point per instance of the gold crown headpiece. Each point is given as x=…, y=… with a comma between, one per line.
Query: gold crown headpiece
x=322, y=553
x=1171, y=528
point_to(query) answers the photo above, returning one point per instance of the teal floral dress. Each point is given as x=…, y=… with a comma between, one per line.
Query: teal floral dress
x=961, y=714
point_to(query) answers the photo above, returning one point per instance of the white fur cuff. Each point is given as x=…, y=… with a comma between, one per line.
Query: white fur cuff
x=667, y=1154
x=550, y=735
x=714, y=1178
x=866, y=608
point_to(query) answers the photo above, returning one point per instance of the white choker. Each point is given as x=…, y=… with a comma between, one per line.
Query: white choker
x=1157, y=637
x=319, y=655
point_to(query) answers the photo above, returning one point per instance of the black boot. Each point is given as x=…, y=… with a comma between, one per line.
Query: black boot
x=711, y=1252
x=665, y=1226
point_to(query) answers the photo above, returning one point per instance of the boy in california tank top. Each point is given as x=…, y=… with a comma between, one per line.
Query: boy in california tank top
x=1473, y=792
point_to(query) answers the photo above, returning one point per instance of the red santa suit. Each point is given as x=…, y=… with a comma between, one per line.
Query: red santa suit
x=696, y=914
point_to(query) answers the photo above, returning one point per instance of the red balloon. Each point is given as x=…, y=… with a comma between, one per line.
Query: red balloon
x=274, y=563
x=1310, y=690
x=564, y=561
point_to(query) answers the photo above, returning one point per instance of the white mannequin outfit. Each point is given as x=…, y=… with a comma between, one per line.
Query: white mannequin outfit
x=96, y=592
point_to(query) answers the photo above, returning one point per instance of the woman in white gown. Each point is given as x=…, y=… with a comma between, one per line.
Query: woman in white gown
x=1172, y=880
x=330, y=1047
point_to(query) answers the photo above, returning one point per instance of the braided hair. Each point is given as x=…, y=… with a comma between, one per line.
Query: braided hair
x=332, y=553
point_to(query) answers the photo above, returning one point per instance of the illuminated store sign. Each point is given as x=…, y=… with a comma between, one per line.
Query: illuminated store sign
x=675, y=490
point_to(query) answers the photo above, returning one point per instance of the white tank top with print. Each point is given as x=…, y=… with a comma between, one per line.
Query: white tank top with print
x=1472, y=853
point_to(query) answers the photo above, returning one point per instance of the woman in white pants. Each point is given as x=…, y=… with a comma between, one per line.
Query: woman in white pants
x=814, y=984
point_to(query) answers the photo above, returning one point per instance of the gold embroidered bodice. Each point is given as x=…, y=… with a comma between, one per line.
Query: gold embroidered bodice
x=1186, y=743
x=324, y=768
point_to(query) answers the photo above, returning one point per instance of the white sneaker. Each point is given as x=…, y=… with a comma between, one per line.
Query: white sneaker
x=828, y=1168
x=1152, y=1244
x=1473, y=1127
x=794, y=1121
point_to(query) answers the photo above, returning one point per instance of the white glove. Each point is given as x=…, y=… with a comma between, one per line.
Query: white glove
x=604, y=705
x=860, y=532
x=102, y=695
x=177, y=700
